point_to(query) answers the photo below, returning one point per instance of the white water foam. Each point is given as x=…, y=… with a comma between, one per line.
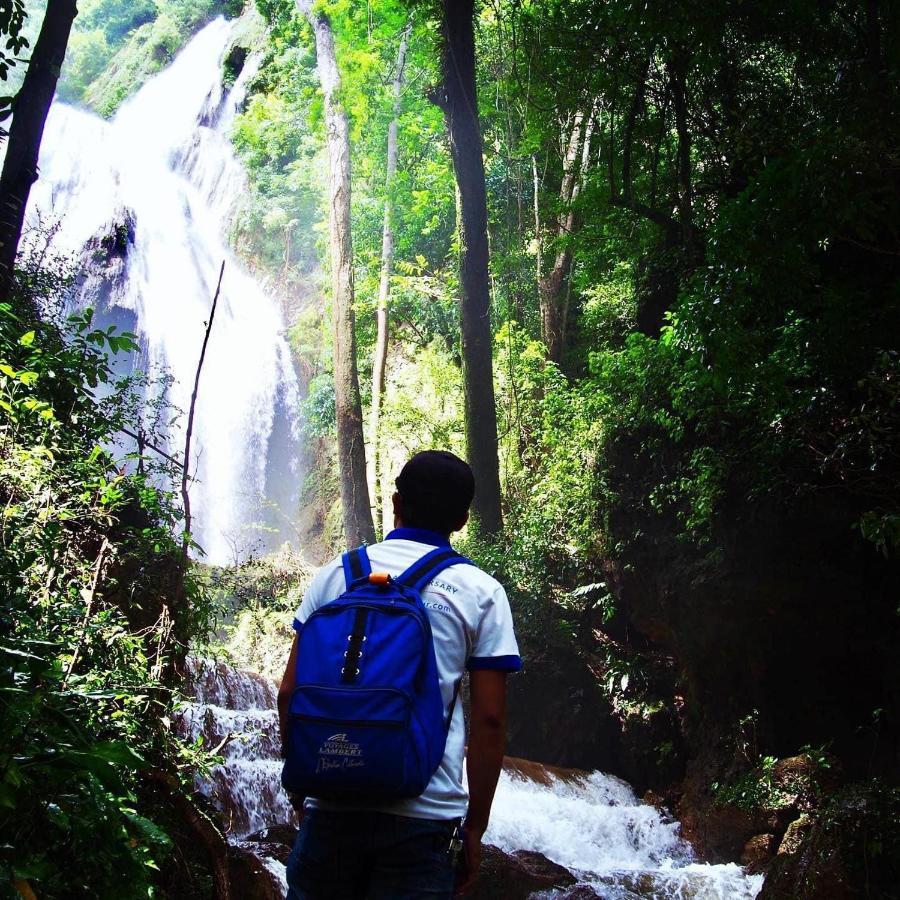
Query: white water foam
x=239, y=709
x=600, y=831
x=163, y=178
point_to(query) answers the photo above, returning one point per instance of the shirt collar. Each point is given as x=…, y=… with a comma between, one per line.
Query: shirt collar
x=422, y=535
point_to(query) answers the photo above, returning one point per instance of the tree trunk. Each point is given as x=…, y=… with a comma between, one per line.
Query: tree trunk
x=384, y=290
x=574, y=224
x=358, y=526
x=460, y=107
x=538, y=249
x=30, y=109
x=677, y=69
x=553, y=287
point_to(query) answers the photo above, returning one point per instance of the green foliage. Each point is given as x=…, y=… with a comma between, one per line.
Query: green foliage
x=422, y=407
x=277, y=225
x=260, y=598
x=116, y=18
x=12, y=22
x=864, y=820
x=755, y=790
x=92, y=579
x=318, y=408
x=768, y=784
x=116, y=45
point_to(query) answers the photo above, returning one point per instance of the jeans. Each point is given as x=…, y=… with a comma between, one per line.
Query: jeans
x=366, y=855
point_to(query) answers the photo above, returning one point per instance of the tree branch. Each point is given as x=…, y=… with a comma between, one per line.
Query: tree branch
x=185, y=469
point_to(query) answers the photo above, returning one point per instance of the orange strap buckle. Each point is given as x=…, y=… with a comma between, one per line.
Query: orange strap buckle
x=382, y=578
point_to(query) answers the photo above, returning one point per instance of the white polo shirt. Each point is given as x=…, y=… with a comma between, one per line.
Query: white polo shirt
x=472, y=626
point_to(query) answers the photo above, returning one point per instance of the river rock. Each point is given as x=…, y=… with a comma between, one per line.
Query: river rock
x=517, y=875
x=758, y=852
x=254, y=876
x=275, y=842
x=849, y=849
x=541, y=772
x=577, y=892
x=795, y=835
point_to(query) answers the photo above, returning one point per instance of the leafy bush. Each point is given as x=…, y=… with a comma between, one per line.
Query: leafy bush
x=260, y=598
x=94, y=613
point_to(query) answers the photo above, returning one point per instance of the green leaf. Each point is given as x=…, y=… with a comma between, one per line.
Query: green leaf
x=118, y=753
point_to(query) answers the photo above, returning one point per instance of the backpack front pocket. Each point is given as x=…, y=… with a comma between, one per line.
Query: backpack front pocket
x=346, y=743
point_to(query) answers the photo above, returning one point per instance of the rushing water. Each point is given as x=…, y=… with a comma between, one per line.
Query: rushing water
x=595, y=827
x=159, y=185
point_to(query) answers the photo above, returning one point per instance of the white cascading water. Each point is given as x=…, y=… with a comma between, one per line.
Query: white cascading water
x=160, y=182
x=602, y=833
x=596, y=828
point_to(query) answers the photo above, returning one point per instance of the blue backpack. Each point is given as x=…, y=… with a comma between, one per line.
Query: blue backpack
x=366, y=719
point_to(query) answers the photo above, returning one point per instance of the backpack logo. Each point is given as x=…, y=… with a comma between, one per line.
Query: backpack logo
x=339, y=745
x=339, y=752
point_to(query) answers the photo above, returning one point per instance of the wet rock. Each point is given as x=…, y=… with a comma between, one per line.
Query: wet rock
x=276, y=842
x=518, y=875
x=117, y=240
x=281, y=834
x=105, y=259
x=234, y=63
x=759, y=852
x=254, y=876
x=850, y=849
x=650, y=752
x=558, y=713
x=235, y=712
x=578, y=892
x=719, y=830
x=795, y=835
x=542, y=773
x=717, y=833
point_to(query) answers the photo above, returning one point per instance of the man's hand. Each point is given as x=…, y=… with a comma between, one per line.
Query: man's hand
x=470, y=862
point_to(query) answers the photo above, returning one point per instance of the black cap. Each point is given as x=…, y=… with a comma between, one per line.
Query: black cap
x=436, y=488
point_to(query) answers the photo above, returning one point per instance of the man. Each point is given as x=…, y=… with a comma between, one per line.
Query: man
x=406, y=850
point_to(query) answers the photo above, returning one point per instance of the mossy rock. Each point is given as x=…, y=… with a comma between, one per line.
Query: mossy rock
x=852, y=850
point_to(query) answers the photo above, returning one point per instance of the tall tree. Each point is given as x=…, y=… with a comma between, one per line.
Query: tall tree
x=554, y=286
x=460, y=105
x=358, y=527
x=30, y=108
x=384, y=286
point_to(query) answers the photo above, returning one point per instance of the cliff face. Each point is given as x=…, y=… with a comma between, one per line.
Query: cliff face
x=791, y=629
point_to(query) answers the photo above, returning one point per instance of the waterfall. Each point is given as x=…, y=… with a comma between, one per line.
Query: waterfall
x=239, y=708
x=594, y=826
x=142, y=203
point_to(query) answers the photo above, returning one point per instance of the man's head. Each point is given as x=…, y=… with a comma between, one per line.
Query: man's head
x=434, y=491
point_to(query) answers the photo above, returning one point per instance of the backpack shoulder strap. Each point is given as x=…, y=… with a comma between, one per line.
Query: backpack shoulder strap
x=356, y=565
x=429, y=565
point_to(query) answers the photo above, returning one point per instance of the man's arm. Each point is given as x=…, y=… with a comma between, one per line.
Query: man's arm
x=285, y=690
x=484, y=758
